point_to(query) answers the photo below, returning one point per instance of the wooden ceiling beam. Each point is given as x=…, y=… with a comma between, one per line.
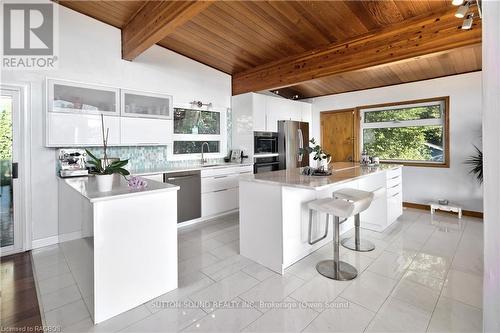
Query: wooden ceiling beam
x=412, y=38
x=155, y=21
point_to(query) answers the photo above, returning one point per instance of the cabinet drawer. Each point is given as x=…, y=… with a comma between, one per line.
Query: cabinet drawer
x=394, y=180
x=395, y=189
x=394, y=206
x=212, y=172
x=393, y=173
x=221, y=182
x=217, y=202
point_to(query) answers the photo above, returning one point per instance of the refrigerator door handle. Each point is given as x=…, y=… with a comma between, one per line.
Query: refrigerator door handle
x=301, y=144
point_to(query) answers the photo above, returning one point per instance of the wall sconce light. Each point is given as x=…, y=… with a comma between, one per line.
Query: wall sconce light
x=201, y=104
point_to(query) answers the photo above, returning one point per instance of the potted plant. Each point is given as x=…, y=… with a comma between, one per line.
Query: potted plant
x=104, y=169
x=476, y=163
x=321, y=157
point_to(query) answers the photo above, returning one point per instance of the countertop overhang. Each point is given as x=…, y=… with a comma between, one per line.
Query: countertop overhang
x=87, y=187
x=341, y=173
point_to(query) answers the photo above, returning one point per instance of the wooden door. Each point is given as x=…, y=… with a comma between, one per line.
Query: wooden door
x=339, y=134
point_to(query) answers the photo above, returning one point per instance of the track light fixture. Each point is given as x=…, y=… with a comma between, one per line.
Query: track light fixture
x=462, y=10
x=468, y=22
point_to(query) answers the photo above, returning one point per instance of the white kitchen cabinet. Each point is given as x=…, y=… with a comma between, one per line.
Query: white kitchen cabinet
x=277, y=109
x=394, y=194
x=145, y=131
x=259, y=105
x=147, y=105
x=219, y=189
x=214, y=203
x=81, y=98
x=73, y=130
x=306, y=113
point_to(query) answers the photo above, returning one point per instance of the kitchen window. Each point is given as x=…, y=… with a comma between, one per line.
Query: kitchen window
x=193, y=127
x=411, y=133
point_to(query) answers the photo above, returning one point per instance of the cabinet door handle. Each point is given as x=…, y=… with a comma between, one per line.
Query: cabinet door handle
x=221, y=190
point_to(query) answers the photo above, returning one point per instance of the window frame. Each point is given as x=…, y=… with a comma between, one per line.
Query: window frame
x=221, y=137
x=444, y=121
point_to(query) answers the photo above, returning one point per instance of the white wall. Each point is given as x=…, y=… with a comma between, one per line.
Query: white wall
x=491, y=133
x=90, y=51
x=422, y=184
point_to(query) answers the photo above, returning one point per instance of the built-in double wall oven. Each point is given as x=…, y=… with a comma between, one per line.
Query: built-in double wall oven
x=266, y=156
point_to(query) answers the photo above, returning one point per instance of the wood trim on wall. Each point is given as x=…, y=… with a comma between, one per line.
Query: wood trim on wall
x=470, y=213
x=446, y=100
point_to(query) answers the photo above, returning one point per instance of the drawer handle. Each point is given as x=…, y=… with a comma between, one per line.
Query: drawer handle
x=395, y=186
x=392, y=196
x=218, y=177
x=221, y=190
x=395, y=177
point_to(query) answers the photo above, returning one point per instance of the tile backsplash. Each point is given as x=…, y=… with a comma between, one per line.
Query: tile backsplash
x=140, y=157
x=146, y=157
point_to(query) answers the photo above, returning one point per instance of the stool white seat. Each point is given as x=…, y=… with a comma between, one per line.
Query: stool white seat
x=366, y=198
x=339, y=208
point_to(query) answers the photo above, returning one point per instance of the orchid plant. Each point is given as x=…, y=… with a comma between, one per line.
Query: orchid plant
x=102, y=165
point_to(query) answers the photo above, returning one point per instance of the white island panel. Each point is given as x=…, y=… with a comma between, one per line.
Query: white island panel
x=135, y=251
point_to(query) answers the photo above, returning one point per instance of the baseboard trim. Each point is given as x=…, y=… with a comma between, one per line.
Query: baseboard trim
x=42, y=242
x=470, y=213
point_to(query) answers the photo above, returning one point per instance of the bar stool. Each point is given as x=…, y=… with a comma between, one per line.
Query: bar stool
x=349, y=194
x=335, y=269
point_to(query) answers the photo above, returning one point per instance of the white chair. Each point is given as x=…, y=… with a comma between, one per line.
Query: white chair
x=353, y=195
x=340, y=209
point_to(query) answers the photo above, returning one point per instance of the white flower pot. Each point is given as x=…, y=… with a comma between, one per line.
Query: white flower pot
x=104, y=182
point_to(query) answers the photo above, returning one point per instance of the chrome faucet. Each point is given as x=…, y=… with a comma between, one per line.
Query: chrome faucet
x=203, y=159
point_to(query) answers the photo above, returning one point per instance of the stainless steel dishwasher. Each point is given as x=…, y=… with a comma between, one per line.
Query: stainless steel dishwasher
x=189, y=195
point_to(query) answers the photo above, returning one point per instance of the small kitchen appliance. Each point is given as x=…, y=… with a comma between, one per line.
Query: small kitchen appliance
x=72, y=163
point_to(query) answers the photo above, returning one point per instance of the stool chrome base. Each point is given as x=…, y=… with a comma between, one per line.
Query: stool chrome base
x=344, y=272
x=362, y=246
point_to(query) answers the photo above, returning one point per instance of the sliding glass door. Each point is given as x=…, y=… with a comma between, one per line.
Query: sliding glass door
x=10, y=229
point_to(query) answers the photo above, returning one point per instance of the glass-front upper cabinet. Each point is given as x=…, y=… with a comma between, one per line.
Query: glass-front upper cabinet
x=74, y=97
x=149, y=105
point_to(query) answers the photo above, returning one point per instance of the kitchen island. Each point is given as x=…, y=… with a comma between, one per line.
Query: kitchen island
x=124, y=250
x=274, y=217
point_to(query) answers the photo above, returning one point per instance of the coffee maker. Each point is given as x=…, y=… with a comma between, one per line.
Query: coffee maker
x=72, y=163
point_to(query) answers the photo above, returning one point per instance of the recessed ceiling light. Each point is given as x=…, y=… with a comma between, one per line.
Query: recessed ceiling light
x=462, y=10
x=457, y=2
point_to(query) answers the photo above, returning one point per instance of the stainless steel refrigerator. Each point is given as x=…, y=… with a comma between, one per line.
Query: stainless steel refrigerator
x=292, y=135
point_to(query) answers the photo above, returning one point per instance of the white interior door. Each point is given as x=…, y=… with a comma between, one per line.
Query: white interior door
x=11, y=231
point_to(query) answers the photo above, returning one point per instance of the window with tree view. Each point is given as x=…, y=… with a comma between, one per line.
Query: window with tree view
x=411, y=133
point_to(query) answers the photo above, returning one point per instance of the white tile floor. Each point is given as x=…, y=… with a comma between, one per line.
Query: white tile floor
x=425, y=275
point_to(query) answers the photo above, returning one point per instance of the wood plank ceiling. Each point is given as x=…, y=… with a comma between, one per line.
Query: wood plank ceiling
x=235, y=36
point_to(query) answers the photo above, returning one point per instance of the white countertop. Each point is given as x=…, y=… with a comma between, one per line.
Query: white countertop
x=87, y=187
x=341, y=173
x=188, y=167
